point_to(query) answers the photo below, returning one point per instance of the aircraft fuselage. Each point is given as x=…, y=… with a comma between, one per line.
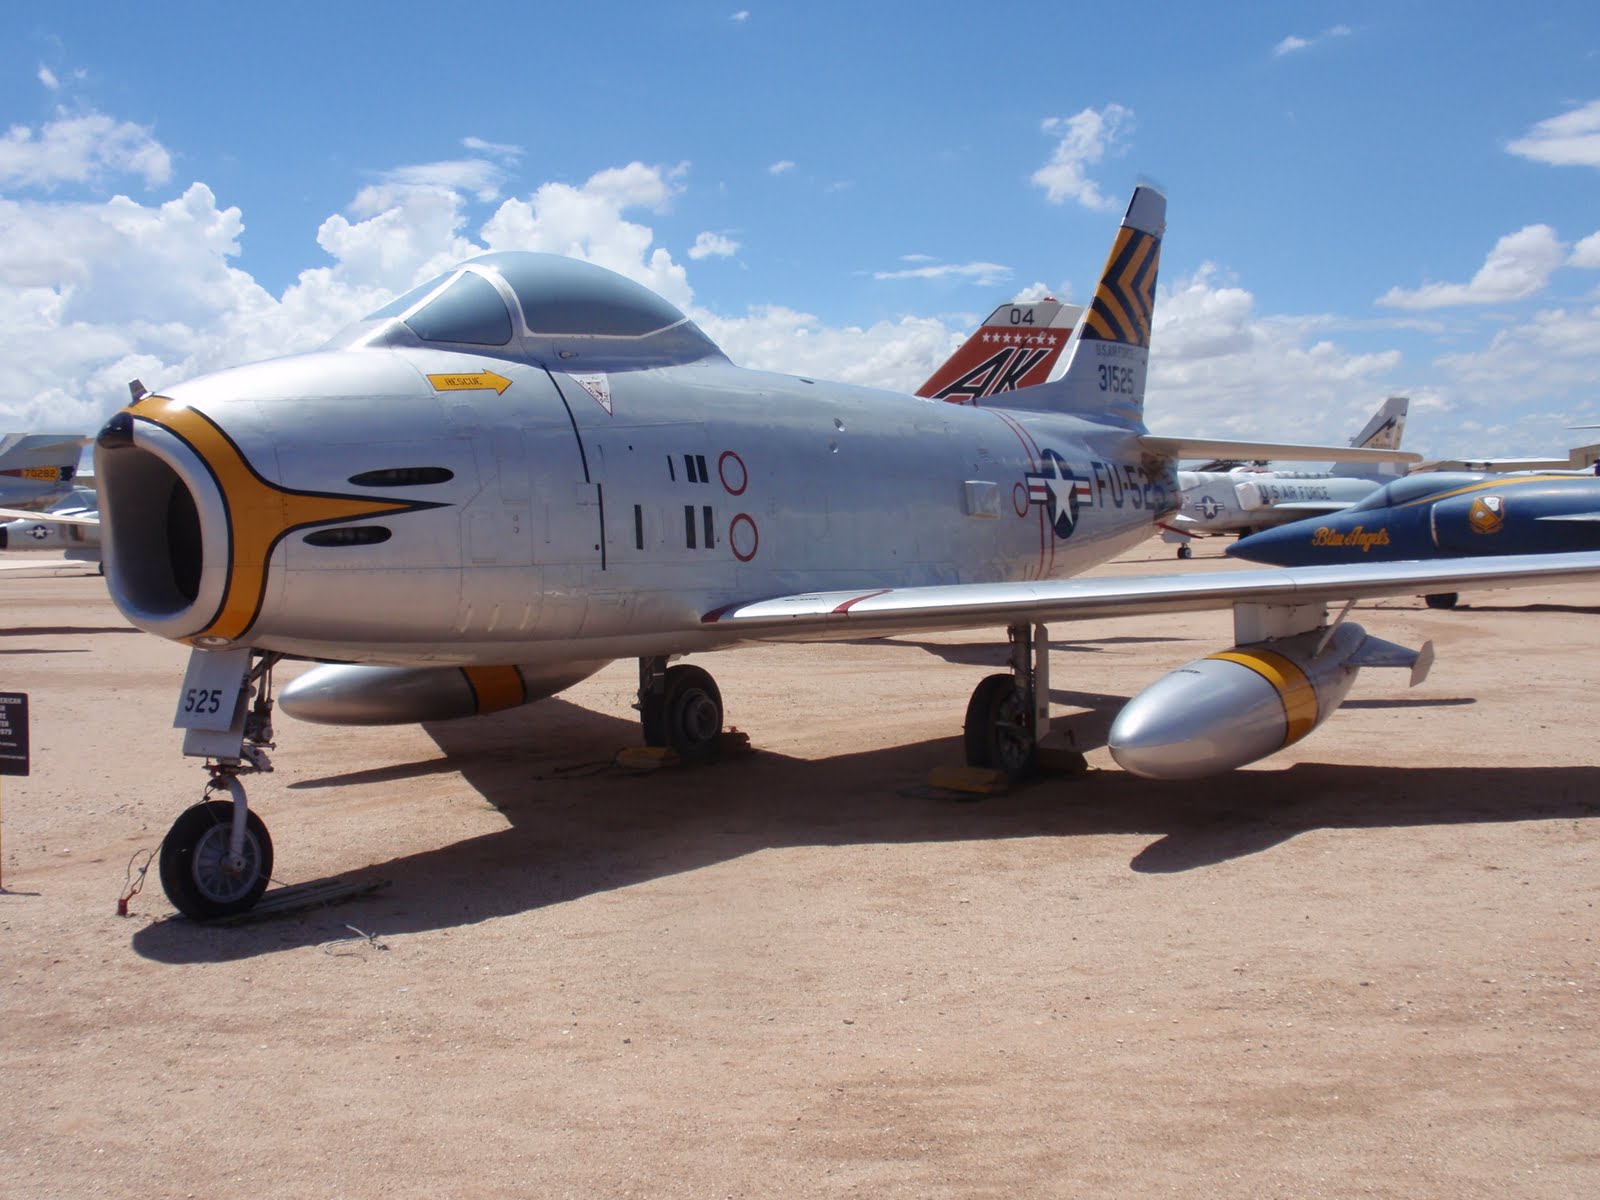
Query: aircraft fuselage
x=355, y=504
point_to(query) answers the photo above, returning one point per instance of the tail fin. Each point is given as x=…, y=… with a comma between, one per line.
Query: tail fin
x=1016, y=347
x=36, y=468
x=1105, y=374
x=1383, y=432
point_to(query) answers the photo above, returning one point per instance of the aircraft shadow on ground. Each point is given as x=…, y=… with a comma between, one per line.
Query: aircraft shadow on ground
x=1581, y=610
x=64, y=630
x=575, y=826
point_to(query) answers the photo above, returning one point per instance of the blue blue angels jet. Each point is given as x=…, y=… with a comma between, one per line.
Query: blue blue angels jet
x=1442, y=515
x=531, y=467
x=1446, y=514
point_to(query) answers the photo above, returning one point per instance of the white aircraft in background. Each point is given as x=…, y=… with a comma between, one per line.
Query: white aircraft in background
x=72, y=525
x=530, y=467
x=38, y=469
x=1244, y=500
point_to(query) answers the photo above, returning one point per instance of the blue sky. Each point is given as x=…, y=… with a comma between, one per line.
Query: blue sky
x=1364, y=199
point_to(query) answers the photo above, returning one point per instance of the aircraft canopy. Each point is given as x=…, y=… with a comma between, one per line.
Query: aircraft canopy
x=567, y=313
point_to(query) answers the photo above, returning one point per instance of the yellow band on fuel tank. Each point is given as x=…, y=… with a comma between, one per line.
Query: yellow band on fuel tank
x=1289, y=681
x=496, y=688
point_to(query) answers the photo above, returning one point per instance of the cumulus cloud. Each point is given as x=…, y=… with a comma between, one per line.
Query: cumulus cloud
x=713, y=245
x=1081, y=141
x=1586, y=253
x=587, y=222
x=779, y=167
x=80, y=149
x=1219, y=366
x=1571, y=139
x=982, y=273
x=48, y=78
x=1519, y=266
x=740, y=17
x=95, y=294
x=1292, y=44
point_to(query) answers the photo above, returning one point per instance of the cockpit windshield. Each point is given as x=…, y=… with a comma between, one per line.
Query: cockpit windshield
x=1415, y=487
x=574, y=313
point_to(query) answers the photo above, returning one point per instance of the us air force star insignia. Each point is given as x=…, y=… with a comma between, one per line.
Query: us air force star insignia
x=1055, y=487
x=1209, y=507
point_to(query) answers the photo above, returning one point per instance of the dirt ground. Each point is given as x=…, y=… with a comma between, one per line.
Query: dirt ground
x=1365, y=967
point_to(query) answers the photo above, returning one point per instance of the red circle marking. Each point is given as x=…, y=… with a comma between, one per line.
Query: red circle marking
x=734, y=538
x=1019, y=499
x=743, y=475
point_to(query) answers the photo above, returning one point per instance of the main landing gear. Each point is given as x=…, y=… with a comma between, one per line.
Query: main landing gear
x=216, y=860
x=680, y=708
x=1009, y=714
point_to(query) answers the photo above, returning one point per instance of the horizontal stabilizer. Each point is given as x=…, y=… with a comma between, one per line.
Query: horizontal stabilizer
x=1190, y=448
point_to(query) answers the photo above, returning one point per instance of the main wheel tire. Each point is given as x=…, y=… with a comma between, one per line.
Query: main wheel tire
x=687, y=716
x=997, y=731
x=194, y=862
x=1441, y=599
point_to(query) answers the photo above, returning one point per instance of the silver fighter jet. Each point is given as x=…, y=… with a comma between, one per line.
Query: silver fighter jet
x=530, y=467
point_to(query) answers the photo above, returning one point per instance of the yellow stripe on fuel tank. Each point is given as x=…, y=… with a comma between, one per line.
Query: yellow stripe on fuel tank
x=1293, y=688
x=496, y=688
x=260, y=513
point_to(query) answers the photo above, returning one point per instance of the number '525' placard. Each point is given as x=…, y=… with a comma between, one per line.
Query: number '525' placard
x=212, y=690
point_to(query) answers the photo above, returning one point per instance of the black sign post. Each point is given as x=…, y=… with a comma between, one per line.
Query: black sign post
x=13, y=745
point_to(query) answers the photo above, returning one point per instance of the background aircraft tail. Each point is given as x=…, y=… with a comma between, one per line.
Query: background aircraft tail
x=1016, y=347
x=1105, y=374
x=1383, y=432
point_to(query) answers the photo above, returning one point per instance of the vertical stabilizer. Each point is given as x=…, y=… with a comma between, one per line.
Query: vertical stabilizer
x=1383, y=432
x=1105, y=374
x=1016, y=347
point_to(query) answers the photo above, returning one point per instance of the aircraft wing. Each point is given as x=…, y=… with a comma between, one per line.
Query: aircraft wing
x=18, y=514
x=821, y=616
x=1190, y=448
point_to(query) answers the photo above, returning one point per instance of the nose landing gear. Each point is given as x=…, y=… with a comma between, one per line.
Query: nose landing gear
x=216, y=860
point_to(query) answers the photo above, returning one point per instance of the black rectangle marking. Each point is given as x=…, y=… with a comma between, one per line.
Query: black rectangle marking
x=688, y=524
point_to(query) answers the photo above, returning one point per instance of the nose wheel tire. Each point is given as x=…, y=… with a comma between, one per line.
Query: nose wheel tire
x=1185, y=551
x=198, y=872
x=687, y=715
x=1441, y=599
x=997, y=733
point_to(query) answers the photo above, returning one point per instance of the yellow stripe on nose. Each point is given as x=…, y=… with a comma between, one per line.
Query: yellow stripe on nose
x=1293, y=687
x=259, y=513
x=496, y=688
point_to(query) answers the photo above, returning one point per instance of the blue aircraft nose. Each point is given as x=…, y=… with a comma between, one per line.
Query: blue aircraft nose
x=1278, y=547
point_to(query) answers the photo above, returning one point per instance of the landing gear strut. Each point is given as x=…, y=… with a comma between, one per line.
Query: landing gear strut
x=681, y=708
x=216, y=860
x=1009, y=714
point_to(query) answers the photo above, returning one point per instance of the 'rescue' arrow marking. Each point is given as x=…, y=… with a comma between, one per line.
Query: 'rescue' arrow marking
x=470, y=383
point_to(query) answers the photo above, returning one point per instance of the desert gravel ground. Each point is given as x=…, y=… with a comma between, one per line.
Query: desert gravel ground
x=1365, y=967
